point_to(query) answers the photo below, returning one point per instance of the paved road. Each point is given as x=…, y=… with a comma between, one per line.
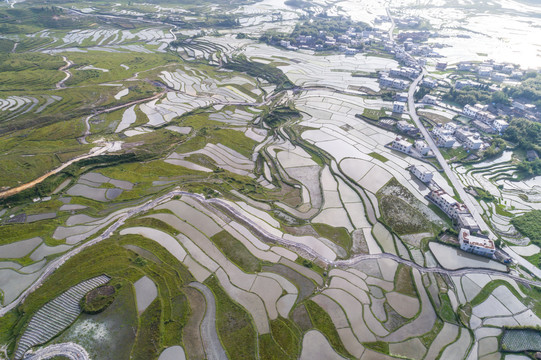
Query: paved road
x=459, y=187
x=211, y=341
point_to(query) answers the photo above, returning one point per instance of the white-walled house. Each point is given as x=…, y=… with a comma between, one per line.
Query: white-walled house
x=422, y=147
x=401, y=145
x=500, y=125
x=399, y=106
x=476, y=244
x=422, y=173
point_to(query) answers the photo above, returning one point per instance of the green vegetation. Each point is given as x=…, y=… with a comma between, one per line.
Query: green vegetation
x=98, y=299
x=268, y=72
x=446, y=309
x=281, y=114
x=339, y=236
x=469, y=95
x=529, y=225
x=322, y=321
x=147, y=341
x=403, y=281
x=527, y=135
x=233, y=324
x=270, y=350
x=401, y=217
x=373, y=114
x=527, y=90
x=287, y=336
x=317, y=28
x=235, y=251
x=516, y=340
x=379, y=157
x=379, y=346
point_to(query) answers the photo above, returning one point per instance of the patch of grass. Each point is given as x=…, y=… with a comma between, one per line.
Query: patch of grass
x=147, y=342
x=231, y=138
x=287, y=336
x=529, y=225
x=379, y=346
x=500, y=210
x=403, y=281
x=322, y=321
x=446, y=310
x=236, y=252
x=233, y=324
x=97, y=300
x=428, y=338
x=339, y=236
x=270, y=350
x=379, y=157
x=373, y=114
x=401, y=217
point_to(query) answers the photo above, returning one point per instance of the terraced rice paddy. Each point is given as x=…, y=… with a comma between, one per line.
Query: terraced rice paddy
x=290, y=252
x=55, y=316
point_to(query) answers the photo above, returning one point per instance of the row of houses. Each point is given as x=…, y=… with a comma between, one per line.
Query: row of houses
x=388, y=82
x=479, y=112
x=419, y=146
x=407, y=72
x=458, y=212
x=496, y=71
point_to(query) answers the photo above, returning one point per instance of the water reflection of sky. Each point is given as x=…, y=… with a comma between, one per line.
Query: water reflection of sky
x=504, y=30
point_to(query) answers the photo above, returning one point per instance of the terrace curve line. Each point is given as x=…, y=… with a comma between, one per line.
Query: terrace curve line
x=258, y=231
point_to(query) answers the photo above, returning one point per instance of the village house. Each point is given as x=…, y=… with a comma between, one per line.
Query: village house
x=422, y=173
x=473, y=143
x=422, y=147
x=500, y=125
x=399, y=107
x=402, y=145
x=475, y=244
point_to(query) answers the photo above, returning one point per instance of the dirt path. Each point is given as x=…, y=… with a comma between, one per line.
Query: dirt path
x=14, y=47
x=18, y=189
x=64, y=69
x=114, y=108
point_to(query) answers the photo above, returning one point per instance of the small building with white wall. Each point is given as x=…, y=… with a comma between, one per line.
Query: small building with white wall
x=500, y=125
x=399, y=106
x=401, y=145
x=422, y=147
x=422, y=173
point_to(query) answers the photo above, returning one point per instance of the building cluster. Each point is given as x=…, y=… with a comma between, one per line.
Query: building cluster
x=389, y=82
x=483, y=119
x=458, y=212
x=450, y=133
x=349, y=43
x=419, y=148
x=489, y=69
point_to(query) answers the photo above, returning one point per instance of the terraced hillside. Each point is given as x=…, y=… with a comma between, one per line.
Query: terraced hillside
x=234, y=195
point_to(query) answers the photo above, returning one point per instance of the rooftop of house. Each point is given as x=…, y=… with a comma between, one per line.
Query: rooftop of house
x=475, y=240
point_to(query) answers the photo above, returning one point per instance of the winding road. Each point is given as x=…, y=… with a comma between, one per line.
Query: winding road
x=64, y=69
x=211, y=341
